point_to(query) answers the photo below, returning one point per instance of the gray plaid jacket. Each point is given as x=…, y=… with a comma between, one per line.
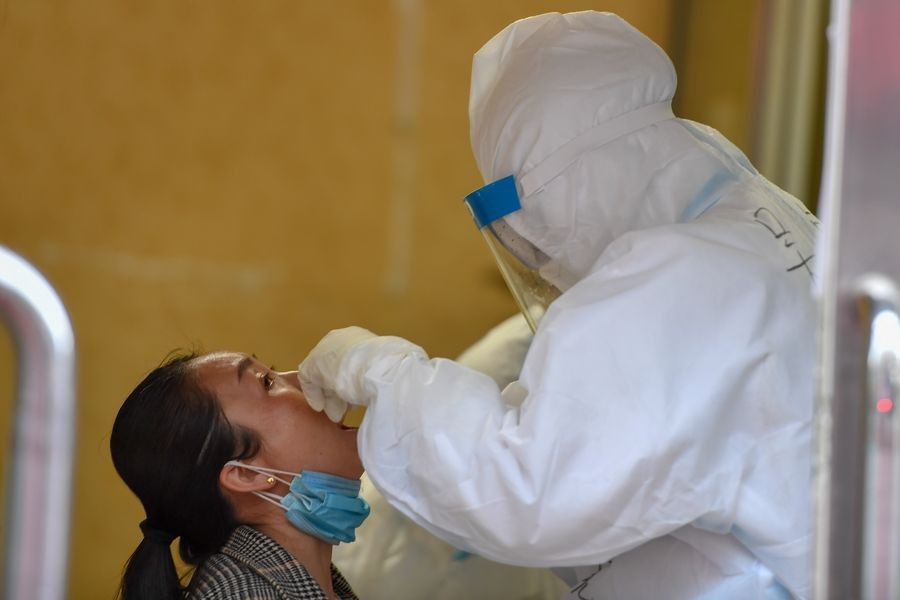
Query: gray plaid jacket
x=252, y=566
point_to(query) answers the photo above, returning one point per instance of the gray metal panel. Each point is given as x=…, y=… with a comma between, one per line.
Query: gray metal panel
x=44, y=433
x=858, y=465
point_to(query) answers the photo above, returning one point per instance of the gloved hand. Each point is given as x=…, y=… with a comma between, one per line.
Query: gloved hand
x=320, y=369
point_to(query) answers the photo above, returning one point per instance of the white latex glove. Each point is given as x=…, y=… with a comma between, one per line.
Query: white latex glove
x=320, y=369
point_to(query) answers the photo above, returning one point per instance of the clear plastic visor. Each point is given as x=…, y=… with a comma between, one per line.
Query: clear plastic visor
x=518, y=259
x=531, y=292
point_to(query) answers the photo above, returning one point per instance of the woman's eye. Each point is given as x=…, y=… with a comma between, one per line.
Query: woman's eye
x=268, y=381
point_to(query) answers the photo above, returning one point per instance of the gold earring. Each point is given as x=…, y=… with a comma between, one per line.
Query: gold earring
x=270, y=480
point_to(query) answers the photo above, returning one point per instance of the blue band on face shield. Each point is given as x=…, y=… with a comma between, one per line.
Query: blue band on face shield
x=493, y=201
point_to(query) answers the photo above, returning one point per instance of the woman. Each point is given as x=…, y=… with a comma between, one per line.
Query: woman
x=209, y=445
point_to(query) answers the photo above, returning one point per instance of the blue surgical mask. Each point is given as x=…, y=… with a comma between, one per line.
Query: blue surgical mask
x=322, y=505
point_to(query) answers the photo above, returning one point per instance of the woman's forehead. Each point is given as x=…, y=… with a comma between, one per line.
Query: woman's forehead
x=220, y=360
x=222, y=367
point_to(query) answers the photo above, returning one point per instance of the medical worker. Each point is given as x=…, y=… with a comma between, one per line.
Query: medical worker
x=657, y=442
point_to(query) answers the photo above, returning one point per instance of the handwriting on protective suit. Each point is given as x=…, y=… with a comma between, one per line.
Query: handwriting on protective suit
x=582, y=587
x=767, y=219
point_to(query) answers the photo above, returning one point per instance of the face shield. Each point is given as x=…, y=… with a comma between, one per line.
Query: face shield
x=518, y=259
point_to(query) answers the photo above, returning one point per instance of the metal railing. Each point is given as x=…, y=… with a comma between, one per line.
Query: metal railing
x=39, y=488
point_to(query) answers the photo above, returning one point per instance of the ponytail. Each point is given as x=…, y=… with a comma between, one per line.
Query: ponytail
x=152, y=556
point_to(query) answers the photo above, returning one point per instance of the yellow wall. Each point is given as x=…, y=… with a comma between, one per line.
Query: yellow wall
x=715, y=50
x=224, y=173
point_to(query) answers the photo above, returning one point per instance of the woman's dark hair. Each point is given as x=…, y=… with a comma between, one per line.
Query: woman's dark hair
x=169, y=442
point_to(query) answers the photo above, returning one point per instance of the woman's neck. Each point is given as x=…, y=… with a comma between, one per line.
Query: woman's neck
x=314, y=554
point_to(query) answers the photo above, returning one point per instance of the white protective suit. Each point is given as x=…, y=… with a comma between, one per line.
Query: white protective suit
x=662, y=417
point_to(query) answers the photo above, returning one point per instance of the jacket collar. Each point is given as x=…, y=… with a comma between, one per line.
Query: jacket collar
x=276, y=565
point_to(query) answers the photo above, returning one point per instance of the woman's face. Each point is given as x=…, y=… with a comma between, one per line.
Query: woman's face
x=294, y=436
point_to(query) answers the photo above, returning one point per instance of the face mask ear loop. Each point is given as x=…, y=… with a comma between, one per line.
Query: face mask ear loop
x=268, y=470
x=262, y=471
x=271, y=498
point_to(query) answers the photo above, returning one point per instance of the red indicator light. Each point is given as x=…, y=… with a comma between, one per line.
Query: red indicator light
x=884, y=405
